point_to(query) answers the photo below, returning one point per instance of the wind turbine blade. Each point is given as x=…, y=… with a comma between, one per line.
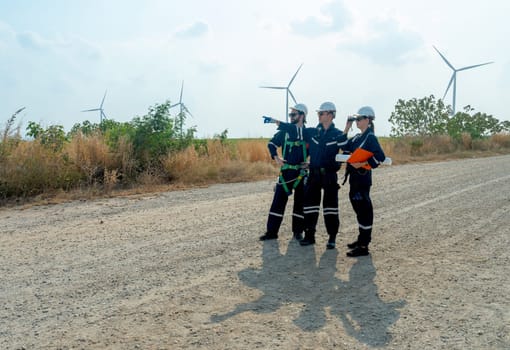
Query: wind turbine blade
x=291, y=95
x=101, y=106
x=103, y=115
x=172, y=106
x=20, y=110
x=476, y=65
x=91, y=110
x=291, y=80
x=273, y=87
x=444, y=58
x=449, y=84
x=182, y=88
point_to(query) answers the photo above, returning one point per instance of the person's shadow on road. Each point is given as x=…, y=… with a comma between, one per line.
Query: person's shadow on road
x=297, y=278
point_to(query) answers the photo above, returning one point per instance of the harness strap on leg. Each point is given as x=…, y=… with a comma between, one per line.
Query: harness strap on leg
x=284, y=185
x=300, y=177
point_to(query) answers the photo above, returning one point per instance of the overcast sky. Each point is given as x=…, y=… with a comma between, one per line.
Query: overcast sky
x=57, y=57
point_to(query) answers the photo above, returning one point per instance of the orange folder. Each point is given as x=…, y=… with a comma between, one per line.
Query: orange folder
x=359, y=156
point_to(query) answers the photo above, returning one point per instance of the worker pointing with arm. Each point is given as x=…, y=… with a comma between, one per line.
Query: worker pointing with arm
x=292, y=174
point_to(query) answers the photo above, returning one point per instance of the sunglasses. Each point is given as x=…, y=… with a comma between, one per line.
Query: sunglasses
x=293, y=114
x=360, y=117
x=321, y=113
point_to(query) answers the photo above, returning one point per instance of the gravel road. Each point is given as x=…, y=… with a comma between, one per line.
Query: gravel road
x=185, y=269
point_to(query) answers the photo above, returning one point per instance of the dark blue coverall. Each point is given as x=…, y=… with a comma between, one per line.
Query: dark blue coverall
x=323, y=148
x=360, y=181
x=294, y=153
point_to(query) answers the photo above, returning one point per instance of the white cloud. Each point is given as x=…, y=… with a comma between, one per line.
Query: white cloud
x=195, y=30
x=311, y=26
x=386, y=43
x=68, y=45
x=336, y=17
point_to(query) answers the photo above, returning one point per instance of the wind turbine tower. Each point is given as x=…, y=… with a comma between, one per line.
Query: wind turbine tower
x=183, y=109
x=287, y=88
x=453, y=79
x=102, y=115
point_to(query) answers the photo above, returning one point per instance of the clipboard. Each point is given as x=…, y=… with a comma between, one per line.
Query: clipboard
x=359, y=156
x=343, y=158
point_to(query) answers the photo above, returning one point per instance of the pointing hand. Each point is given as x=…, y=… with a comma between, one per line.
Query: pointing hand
x=268, y=120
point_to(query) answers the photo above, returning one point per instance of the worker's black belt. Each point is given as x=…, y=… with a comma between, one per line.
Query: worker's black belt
x=322, y=171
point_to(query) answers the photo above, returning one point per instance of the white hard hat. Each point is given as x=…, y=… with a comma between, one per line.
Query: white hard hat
x=327, y=107
x=366, y=111
x=300, y=107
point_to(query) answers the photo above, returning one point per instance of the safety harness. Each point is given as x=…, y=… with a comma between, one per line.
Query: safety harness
x=302, y=172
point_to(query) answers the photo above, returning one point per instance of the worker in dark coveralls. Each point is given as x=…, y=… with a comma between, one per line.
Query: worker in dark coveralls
x=360, y=178
x=292, y=174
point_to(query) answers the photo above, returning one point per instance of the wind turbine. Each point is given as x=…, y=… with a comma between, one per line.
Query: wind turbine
x=454, y=77
x=183, y=109
x=288, y=92
x=100, y=109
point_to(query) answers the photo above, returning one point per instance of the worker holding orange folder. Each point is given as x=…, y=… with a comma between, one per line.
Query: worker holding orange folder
x=361, y=155
x=365, y=155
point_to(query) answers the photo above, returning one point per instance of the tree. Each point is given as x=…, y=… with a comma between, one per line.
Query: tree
x=477, y=125
x=426, y=116
x=505, y=125
x=53, y=137
x=86, y=128
x=157, y=133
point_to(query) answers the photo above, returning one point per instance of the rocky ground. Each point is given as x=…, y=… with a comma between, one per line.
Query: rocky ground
x=185, y=269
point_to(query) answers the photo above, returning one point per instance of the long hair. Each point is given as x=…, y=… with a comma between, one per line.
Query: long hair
x=371, y=125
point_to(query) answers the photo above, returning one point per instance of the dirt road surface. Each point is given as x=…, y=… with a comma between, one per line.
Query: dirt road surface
x=185, y=269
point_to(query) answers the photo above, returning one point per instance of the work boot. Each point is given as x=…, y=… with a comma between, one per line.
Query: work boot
x=331, y=243
x=352, y=245
x=267, y=236
x=307, y=241
x=358, y=251
x=309, y=238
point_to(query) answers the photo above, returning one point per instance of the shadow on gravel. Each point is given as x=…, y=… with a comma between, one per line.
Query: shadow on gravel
x=296, y=277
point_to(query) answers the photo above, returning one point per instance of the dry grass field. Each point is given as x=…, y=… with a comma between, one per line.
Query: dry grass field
x=185, y=269
x=87, y=167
